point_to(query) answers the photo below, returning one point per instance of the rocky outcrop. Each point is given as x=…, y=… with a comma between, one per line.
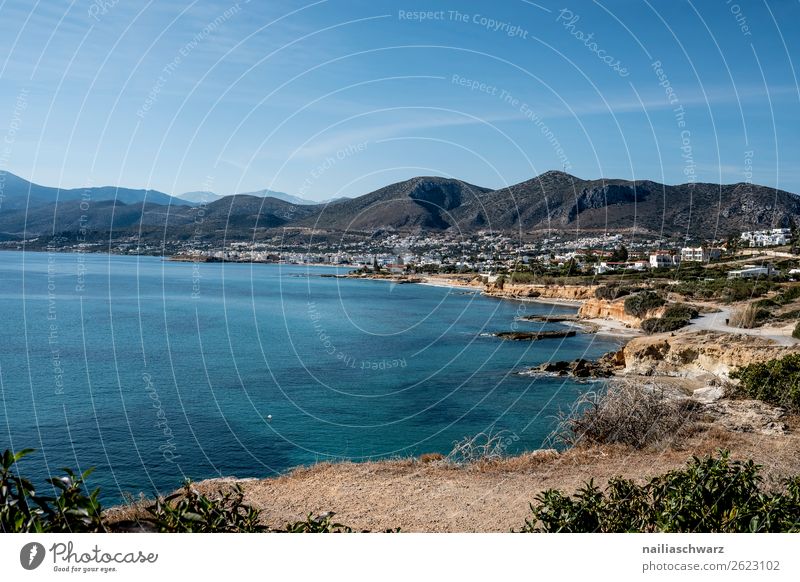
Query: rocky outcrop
x=522, y=291
x=602, y=196
x=748, y=416
x=694, y=354
x=535, y=335
x=605, y=367
x=605, y=309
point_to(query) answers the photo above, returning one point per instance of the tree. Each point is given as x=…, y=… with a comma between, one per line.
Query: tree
x=620, y=255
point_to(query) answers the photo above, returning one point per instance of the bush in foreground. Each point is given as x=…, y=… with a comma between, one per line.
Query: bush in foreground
x=713, y=495
x=774, y=381
x=22, y=510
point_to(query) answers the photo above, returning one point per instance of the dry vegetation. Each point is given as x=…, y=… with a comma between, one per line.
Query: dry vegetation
x=744, y=317
x=629, y=413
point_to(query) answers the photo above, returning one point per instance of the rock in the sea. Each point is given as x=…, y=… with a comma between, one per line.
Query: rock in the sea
x=535, y=335
x=581, y=368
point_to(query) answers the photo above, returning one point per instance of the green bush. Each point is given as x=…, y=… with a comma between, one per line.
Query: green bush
x=522, y=277
x=796, y=332
x=638, y=305
x=663, y=324
x=675, y=317
x=23, y=511
x=724, y=289
x=611, y=292
x=775, y=381
x=188, y=511
x=711, y=495
x=321, y=524
x=681, y=311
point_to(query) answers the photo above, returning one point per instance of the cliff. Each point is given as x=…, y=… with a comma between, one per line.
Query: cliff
x=692, y=354
x=524, y=291
x=605, y=309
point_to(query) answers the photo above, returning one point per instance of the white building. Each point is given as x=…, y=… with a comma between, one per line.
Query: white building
x=767, y=238
x=699, y=254
x=664, y=260
x=752, y=272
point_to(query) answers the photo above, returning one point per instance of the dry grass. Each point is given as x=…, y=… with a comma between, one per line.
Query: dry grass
x=489, y=495
x=430, y=457
x=628, y=413
x=744, y=317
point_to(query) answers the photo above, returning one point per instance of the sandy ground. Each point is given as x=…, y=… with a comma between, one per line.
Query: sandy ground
x=487, y=497
x=614, y=327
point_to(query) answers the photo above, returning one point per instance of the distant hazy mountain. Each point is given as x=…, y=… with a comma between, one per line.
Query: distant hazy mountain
x=20, y=193
x=228, y=217
x=204, y=196
x=200, y=197
x=280, y=196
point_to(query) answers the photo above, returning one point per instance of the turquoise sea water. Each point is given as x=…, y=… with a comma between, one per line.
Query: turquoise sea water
x=153, y=371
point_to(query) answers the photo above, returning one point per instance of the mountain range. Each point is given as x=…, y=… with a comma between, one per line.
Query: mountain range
x=204, y=197
x=550, y=203
x=16, y=193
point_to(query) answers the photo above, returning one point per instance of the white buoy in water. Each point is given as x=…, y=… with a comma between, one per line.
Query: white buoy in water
x=269, y=418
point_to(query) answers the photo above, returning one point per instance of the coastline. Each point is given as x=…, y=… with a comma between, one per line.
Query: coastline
x=430, y=494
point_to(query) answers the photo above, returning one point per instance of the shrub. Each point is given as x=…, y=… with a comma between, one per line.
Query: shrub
x=189, y=511
x=640, y=304
x=625, y=413
x=714, y=495
x=681, y=311
x=663, y=324
x=775, y=381
x=321, y=524
x=484, y=446
x=522, y=277
x=796, y=332
x=789, y=294
x=675, y=317
x=727, y=290
x=22, y=510
x=749, y=316
x=611, y=292
x=431, y=457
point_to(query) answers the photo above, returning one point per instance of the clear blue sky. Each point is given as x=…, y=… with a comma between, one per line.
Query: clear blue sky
x=339, y=97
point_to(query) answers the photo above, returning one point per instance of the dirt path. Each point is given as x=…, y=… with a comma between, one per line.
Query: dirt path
x=718, y=322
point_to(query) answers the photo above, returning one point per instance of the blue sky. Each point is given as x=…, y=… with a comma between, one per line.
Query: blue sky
x=336, y=98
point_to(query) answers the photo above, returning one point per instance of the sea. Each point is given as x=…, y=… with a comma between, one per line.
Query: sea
x=152, y=371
